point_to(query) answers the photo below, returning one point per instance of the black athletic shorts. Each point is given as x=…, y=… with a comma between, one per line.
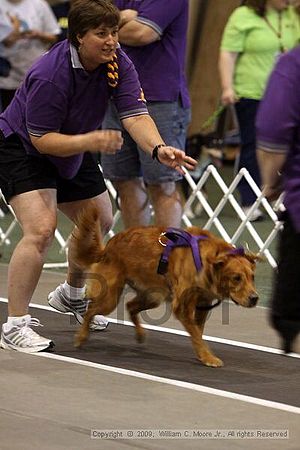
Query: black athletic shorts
x=20, y=172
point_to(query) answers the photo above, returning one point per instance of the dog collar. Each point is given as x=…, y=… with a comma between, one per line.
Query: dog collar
x=179, y=238
x=208, y=307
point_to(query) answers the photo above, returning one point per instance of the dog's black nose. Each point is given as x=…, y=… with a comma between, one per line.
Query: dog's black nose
x=253, y=299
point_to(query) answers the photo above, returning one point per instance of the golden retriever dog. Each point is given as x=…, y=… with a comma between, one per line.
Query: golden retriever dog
x=134, y=257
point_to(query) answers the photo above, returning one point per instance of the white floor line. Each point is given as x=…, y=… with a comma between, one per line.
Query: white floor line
x=169, y=381
x=218, y=340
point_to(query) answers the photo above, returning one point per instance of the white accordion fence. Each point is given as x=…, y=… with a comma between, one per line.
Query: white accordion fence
x=214, y=215
x=227, y=191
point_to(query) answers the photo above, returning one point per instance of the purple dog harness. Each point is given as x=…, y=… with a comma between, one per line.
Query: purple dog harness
x=179, y=238
x=240, y=251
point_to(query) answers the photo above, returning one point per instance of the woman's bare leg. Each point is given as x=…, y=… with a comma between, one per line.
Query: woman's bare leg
x=36, y=213
x=76, y=277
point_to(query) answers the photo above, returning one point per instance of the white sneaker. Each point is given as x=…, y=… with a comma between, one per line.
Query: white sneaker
x=60, y=301
x=198, y=208
x=20, y=337
x=194, y=210
x=189, y=213
x=255, y=216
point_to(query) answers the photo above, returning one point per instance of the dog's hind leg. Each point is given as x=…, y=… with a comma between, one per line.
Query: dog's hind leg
x=103, y=302
x=140, y=303
x=84, y=331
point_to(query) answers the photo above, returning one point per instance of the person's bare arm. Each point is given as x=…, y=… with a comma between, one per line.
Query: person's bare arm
x=271, y=165
x=144, y=132
x=15, y=34
x=227, y=61
x=57, y=144
x=136, y=34
x=46, y=38
x=126, y=15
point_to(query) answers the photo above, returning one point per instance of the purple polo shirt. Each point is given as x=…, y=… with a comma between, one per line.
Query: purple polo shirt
x=59, y=95
x=278, y=125
x=161, y=65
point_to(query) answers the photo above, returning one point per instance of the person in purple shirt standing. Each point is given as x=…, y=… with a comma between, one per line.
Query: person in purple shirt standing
x=278, y=135
x=50, y=135
x=153, y=35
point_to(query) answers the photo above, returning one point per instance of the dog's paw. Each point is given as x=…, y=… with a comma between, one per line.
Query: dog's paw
x=140, y=335
x=79, y=341
x=212, y=361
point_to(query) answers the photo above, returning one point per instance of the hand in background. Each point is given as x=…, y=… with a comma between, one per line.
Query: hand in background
x=105, y=141
x=272, y=193
x=15, y=34
x=15, y=22
x=228, y=97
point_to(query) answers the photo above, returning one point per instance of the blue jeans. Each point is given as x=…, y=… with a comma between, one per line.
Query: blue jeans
x=246, y=110
x=131, y=162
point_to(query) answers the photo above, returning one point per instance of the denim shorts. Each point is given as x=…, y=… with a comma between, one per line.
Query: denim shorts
x=130, y=162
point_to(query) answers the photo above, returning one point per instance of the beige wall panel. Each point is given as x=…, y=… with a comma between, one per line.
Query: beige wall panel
x=203, y=65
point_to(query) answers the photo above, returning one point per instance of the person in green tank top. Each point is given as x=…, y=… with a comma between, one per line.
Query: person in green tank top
x=255, y=36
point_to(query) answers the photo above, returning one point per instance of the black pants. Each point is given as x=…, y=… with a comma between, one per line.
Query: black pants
x=246, y=110
x=285, y=304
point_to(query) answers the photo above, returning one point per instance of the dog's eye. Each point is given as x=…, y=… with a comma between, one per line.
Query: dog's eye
x=237, y=278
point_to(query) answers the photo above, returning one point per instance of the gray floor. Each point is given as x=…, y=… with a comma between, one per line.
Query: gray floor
x=52, y=404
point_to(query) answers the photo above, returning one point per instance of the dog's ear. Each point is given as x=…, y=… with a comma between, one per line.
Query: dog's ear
x=253, y=257
x=217, y=261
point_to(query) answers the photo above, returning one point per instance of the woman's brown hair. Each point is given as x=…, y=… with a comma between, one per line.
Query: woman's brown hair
x=259, y=6
x=85, y=15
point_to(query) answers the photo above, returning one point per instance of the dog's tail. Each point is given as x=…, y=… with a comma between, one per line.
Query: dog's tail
x=87, y=241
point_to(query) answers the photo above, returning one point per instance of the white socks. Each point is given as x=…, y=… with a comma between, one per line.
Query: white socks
x=72, y=292
x=15, y=320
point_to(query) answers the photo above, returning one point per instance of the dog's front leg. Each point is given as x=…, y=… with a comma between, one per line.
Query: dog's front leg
x=193, y=321
x=204, y=353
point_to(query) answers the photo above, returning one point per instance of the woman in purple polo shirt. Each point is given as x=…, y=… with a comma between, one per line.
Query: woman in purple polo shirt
x=278, y=135
x=49, y=137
